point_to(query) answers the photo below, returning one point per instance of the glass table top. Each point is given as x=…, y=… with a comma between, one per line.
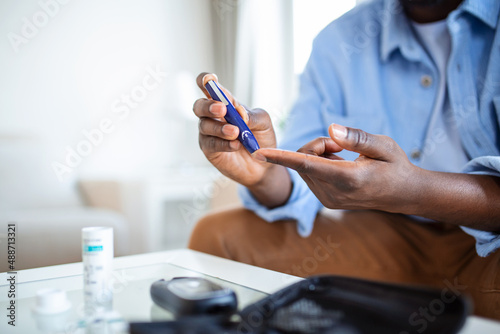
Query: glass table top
x=131, y=298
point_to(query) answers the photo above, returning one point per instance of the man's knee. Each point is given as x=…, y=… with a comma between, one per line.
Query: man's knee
x=215, y=231
x=203, y=237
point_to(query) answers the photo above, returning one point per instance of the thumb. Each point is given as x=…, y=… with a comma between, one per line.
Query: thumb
x=205, y=77
x=373, y=146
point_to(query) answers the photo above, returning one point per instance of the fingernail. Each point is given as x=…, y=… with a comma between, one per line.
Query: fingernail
x=234, y=144
x=257, y=156
x=339, y=131
x=228, y=130
x=213, y=110
x=205, y=80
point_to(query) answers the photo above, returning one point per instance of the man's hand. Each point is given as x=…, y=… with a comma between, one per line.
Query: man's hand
x=218, y=141
x=380, y=178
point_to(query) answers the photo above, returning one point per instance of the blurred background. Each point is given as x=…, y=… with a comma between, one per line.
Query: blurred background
x=96, y=122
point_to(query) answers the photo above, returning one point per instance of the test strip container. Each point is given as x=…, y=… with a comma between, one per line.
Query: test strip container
x=97, y=254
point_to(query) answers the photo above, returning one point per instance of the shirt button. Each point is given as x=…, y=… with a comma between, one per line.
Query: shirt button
x=415, y=154
x=426, y=80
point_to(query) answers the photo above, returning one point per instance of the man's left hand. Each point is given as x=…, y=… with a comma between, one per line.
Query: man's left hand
x=381, y=178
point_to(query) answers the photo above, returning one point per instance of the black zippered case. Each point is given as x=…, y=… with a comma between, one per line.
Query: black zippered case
x=336, y=304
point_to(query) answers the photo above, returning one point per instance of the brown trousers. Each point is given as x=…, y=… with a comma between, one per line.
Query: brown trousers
x=365, y=244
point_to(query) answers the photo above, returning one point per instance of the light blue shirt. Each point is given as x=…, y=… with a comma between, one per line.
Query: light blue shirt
x=368, y=70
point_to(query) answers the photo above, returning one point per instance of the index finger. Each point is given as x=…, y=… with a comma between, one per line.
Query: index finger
x=209, y=108
x=302, y=163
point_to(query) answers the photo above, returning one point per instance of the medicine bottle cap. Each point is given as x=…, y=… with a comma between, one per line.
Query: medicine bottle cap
x=51, y=301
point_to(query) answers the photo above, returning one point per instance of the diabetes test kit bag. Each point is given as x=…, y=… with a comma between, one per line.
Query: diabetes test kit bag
x=333, y=304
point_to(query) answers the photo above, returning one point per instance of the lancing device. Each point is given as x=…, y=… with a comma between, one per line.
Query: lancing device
x=245, y=136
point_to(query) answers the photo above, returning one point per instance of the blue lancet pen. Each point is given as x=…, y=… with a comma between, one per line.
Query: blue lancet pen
x=245, y=136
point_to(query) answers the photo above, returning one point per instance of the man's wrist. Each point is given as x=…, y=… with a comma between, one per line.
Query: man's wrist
x=456, y=198
x=412, y=194
x=274, y=189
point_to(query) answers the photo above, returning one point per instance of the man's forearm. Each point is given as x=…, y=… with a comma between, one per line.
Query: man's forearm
x=275, y=189
x=461, y=199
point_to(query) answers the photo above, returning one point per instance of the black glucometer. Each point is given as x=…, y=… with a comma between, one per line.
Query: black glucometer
x=189, y=296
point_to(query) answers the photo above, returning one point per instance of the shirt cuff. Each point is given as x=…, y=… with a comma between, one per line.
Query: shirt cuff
x=302, y=206
x=486, y=242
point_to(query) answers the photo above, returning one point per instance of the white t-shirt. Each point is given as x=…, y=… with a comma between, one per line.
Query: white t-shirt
x=442, y=134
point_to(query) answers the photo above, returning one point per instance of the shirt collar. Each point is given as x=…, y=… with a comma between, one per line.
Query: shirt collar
x=485, y=10
x=397, y=33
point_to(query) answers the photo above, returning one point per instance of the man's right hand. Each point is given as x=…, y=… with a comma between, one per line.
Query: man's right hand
x=218, y=141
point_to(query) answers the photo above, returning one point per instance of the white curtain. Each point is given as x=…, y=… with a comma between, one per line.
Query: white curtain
x=254, y=51
x=225, y=26
x=264, y=54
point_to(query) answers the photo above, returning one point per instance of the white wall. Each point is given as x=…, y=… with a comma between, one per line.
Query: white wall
x=66, y=77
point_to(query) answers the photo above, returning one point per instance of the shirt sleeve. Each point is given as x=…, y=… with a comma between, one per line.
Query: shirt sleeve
x=302, y=206
x=486, y=242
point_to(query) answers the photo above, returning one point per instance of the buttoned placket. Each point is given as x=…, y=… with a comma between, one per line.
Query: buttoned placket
x=427, y=78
